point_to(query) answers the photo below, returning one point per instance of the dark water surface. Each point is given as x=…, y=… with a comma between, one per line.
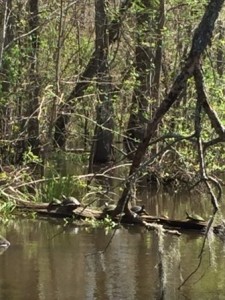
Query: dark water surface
x=71, y=266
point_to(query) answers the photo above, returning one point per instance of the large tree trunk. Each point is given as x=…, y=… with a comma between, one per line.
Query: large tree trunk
x=201, y=39
x=90, y=71
x=102, y=144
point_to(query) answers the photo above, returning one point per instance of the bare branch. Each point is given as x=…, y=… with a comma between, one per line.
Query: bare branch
x=215, y=122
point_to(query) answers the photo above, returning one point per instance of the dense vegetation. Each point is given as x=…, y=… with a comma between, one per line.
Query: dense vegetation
x=95, y=75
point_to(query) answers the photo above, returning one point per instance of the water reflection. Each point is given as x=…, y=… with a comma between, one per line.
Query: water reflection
x=4, y=244
x=41, y=264
x=3, y=249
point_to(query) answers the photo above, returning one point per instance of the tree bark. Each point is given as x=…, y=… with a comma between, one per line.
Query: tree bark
x=102, y=144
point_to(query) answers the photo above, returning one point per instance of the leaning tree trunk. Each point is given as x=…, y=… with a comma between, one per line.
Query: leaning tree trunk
x=201, y=39
x=102, y=144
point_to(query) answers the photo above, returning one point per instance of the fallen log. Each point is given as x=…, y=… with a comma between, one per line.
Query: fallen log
x=84, y=212
x=62, y=212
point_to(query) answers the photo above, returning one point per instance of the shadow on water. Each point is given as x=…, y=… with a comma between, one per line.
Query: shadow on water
x=72, y=265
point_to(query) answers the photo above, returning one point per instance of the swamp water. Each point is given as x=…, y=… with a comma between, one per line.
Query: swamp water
x=47, y=261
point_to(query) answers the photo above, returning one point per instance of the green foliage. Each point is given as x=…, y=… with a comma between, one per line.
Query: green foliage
x=30, y=157
x=57, y=186
x=6, y=209
x=12, y=61
x=66, y=44
x=107, y=223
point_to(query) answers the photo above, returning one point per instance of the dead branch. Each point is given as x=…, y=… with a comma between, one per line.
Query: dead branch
x=201, y=98
x=214, y=119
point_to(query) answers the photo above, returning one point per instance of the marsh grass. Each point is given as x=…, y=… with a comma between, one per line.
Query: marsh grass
x=55, y=187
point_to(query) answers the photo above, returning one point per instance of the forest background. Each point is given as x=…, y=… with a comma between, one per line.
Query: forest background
x=93, y=75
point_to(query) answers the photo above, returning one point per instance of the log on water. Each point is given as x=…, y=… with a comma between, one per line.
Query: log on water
x=89, y=213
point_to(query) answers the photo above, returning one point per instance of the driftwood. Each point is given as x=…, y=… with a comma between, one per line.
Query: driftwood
x=82, y=213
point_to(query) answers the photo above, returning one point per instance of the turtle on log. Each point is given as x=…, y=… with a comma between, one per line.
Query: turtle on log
x=139, y=210
x=68, y=204
x=194, y=217
x=71, y=202
x=109, y=208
